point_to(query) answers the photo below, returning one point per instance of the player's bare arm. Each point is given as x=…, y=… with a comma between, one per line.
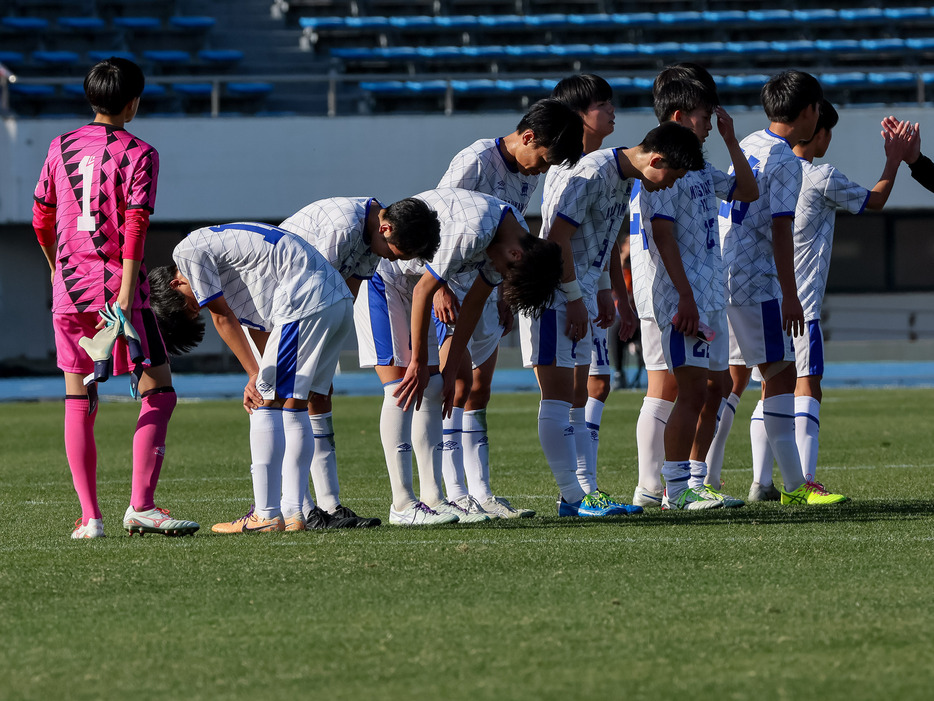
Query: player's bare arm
x=470, y=313
x=897, y=144
x=353, y=284
x=229, y=329
x=747, y=190
x=687, y=317
x=415, y=379
x=445, y=305
x=577, y=322
x=783, y=252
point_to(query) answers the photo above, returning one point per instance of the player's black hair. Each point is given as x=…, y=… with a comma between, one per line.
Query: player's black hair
x=181, y=328
x=827, y=119
x=788, y=94
x=112, y=83
x=678, y=145
x=416, y=231
x=558, y=128
x=683, y=86
x=579, y=92
x=530, y=283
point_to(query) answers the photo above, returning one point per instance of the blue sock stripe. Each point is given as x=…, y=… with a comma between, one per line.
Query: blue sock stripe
x=811, y=417
x=323, y=435
x=294, y=411
x=592, y=427
x=731, y=408
x=450, y=431
x=392, y=382
x=781, y=416
x=678, y=479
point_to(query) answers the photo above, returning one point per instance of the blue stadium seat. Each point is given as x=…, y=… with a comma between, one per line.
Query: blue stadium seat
x=367, y=23
x=905, y=14
x=893, y=79
x=167, y=58
x=82, y=24
x=97, y=56
x=679, y=19
x=749, y=48
x=850, y=79
x=529, y=51
x=137, y=23
x=838, y=46
x=32, y=90
x=634, y=19
x=25, y=24
x=818, y=16
x=221, y=58
x=249, y=89
x=385, y=87
x=202, y=90
x=413, y=22
x=664, y=48
x=11, y=59
x=726, y=17
x=798, y=47
x=573, y=51
x=862, y=14
x=501, y=21
x=73, y=90
x=321, y=23
x=920, y=44
x=596, y=21
x=775, y=16
x=154, y=90
x=193, y=23
x=57, y=59
x=458, y=22
x=891, y=45
x=617, y=50
x=749, y=81
x=428, y=87
x=704, y=48
x=546, y=21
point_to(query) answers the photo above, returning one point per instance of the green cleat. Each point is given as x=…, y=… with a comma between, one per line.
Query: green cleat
x=727, y=501
x=811, y=493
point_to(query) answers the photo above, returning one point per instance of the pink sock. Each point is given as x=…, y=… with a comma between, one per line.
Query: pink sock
x=81, y=452
x=149, y=446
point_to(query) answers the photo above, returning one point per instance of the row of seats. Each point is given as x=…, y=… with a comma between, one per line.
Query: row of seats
x=53, y=9
x=726, y=84
x=801, y=51
x=39, y=99
x=93, y=23
x=155, y=62
x=893, y=19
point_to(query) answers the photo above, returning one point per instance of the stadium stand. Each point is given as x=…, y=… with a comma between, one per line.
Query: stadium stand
x=337, y=56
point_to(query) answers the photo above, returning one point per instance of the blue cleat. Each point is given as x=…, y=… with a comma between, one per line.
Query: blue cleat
x=596, y=504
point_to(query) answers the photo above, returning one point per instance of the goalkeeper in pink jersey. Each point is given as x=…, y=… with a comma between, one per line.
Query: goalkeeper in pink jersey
x=91, y=212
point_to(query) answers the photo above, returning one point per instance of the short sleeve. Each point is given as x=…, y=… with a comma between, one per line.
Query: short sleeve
x=463, y=172
x=844, y=193
x=45, y=188
x=142, y=191
x=200, y=267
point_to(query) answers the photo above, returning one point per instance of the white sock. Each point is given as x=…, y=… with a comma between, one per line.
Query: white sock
x=717, y=447
x=779, y=418
x=267, y=446
x=807, y=428
x=427, y=441
x=296, y=458
x=557, y=439
x=395, y=432
x=650, y=441
x=593, y=416
x=477, y=455
x=762, y=458
x=324, y=462
x=677, y=475
x=452, y=455
x=698, y=473
x=582, y=448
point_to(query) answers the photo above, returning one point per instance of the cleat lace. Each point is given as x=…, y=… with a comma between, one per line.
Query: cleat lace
x=243, y=519
x=424, y=508
x=816, y=487
x=458, y=507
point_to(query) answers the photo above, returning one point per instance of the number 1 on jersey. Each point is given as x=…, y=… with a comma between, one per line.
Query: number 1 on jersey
x=86, y=220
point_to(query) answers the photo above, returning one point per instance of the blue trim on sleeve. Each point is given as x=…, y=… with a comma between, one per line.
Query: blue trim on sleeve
x=784, y=214
x=567, y=219
x=434, y=274
x=865, y=202
x=247, y=322
x=211, y=298
x=662, y=216
x=483, y=277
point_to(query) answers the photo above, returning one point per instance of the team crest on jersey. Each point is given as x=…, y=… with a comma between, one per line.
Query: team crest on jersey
x=525, y=189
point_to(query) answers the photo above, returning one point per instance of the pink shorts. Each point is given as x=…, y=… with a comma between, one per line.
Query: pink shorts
x=73, y=358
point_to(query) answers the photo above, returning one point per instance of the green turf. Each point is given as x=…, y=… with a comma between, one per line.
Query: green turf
x=762, y=602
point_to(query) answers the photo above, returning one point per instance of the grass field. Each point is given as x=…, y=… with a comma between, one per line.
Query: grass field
x=755, y=603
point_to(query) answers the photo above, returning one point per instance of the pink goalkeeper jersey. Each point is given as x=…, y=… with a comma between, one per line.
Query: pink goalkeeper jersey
x=92, y=176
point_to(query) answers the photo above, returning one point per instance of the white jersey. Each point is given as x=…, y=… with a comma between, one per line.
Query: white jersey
x=641, y=261
x=336, y=228
x=746, y=227
x=267, y=276
x=593, y=196
x=691, y=205
x=482, y=167
x=469, y=221
x=824, y=188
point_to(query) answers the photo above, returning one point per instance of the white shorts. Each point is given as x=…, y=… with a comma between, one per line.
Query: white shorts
x=809, y=350
x=301, y=356
x=600, y=355
x=544, y=343
x=486, y=336
x=652, y=356
x=756, y=334
x=382, y=317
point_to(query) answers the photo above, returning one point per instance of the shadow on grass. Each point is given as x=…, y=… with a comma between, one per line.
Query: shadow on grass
x=767, y=513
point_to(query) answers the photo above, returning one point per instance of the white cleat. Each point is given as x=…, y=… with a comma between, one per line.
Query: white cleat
x=690, y=500
x=498, y=507
x=464, y=515
x=94, y=529
x=419, y=515
x=156, y=521
x=646, y=498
